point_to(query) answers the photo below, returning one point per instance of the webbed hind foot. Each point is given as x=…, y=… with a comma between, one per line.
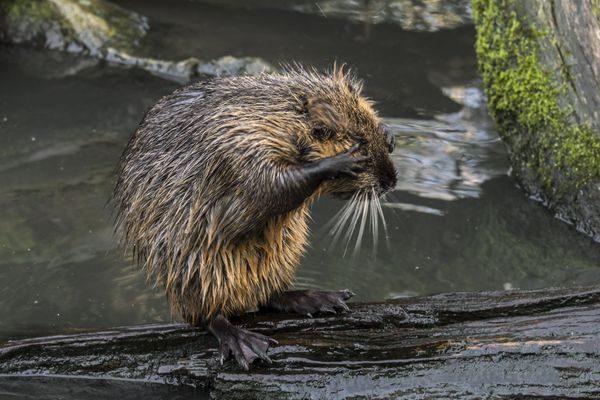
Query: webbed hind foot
x=245, y=346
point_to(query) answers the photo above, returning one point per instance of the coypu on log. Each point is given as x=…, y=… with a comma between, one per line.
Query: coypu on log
x=215, y=186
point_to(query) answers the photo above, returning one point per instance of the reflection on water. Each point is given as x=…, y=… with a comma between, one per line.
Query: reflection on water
x=416, y=15
x=455, y=221
x=452, y=155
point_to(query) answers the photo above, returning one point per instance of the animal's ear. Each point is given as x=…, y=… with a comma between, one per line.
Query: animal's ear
x=321, y=113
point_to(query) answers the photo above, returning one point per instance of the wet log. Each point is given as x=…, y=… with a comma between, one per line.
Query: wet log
x=540, y=62
x=532, y=344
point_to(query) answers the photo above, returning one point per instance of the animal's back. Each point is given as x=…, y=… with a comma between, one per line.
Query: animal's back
x=182, y=201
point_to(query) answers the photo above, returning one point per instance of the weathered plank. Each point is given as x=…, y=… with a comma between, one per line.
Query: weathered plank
x=463, y=345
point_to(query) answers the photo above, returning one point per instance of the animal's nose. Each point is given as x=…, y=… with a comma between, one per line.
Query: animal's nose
x=389, y=136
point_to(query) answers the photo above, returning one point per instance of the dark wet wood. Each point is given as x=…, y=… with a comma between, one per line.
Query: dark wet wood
x=462, y=345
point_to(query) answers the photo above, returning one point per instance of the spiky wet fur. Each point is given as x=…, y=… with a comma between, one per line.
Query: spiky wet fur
x=205, y=196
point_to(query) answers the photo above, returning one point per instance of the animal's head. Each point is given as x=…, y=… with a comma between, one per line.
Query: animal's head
x=339, y=116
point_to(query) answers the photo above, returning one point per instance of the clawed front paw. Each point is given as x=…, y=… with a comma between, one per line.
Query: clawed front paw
x=310, y=302
x=347, y=163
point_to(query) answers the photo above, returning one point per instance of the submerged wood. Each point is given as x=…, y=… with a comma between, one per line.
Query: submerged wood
x=543, y=343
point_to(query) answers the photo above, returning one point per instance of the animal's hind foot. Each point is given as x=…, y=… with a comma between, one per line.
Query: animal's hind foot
x=245, y=346
x=309, y=302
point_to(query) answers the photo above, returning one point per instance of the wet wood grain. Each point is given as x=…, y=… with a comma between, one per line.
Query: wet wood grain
x=462, y=345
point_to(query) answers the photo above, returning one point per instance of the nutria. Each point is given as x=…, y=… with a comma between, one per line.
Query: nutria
x=215, y=185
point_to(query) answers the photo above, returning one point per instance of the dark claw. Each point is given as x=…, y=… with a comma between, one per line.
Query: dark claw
x=328, y=310
x=344, y=164
x=257, y=353
x=343, y=305
x=223, y=351
x=355, y=147
x=362, y=158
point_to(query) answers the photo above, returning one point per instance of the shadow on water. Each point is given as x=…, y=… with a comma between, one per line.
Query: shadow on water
x=456, y=221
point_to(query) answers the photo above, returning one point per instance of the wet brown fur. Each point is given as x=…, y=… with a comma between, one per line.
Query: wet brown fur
x=204, y=187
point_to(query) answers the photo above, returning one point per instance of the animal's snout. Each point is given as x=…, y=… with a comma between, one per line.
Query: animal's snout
x=388, y=134
x=388, y=180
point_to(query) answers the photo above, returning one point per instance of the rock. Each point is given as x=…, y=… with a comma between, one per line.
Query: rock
x=85, y=26
x=102, y=30
x=231, y=66
x=180, y=71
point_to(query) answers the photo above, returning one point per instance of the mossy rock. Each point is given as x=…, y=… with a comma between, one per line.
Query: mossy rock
x=106, y=31
x=33, y=22
x=539, y=63
x=88, y=26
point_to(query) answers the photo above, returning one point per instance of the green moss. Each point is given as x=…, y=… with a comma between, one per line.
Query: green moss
x=524, y=101
x=33, y=10
x=92, y=25
x=31, y=21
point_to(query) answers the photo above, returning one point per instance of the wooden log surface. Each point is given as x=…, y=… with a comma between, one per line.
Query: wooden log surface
x=529, y=344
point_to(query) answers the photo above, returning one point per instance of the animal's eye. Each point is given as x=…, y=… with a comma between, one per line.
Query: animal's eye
x=323, y=133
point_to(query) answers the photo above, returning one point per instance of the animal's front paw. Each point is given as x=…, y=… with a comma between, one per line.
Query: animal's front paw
x=310, y=302
x=345, y=164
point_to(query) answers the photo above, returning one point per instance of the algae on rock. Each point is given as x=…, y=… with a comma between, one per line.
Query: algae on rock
x=541, y=81
x=90, y=26
x=106, y=31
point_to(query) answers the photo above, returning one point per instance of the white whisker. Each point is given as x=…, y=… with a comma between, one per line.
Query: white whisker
x=361, y=206
x=340, y=220
x=374, y=220
x=349, y=233
x=333, y=221
x=347, y=212
x=385, y=230
x=363, y=219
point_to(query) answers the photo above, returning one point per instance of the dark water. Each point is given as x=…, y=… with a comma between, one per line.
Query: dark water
x=455, y=222
x=40, y=388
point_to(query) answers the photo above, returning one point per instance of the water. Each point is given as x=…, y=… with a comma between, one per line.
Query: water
x=455, y=222
x=40, y=388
